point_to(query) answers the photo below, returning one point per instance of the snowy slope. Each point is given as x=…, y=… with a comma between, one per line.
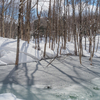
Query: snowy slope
x=28, y=53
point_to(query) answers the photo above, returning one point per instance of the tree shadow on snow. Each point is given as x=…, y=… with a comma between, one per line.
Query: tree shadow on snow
x=9, y=83
x=77, y=79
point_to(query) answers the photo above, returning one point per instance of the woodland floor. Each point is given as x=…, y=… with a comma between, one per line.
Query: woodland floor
x=63, y=72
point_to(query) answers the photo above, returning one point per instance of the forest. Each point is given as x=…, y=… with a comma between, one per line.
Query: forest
x=49, y=49
x=55, y=21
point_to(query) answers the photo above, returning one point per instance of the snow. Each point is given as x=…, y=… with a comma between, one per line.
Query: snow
x=72, y=92
x=29, y=82
x=28, y=53
x=8, y=96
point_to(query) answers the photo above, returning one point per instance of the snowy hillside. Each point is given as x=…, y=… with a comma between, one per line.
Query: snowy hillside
x=28, y=53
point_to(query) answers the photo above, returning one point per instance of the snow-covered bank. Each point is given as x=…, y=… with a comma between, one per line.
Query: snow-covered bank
x=28, y=53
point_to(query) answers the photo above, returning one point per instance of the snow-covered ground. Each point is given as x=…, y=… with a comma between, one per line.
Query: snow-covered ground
x=8, y=96
x=64, y=79
x=74, y=92
x=30, y=82
x=28, y=53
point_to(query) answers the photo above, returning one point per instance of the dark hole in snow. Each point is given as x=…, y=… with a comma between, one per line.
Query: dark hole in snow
x=47, y=87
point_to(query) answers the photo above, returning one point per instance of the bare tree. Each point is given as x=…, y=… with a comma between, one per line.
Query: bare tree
x=11, y=22
x=3, y=26
x=28, y=20
x=80, y=38
x=49, y=15
x=18, y=33
x=45, y=40
x=74, y=27
x=22, y=26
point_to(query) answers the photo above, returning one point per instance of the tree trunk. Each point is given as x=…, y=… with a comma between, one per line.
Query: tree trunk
x=74, y=28
x=18, y=35
x=3, y=25
x=49, y=15
x=28, y=20
x=22, y=37
x=80, y=38
x=45, y=41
